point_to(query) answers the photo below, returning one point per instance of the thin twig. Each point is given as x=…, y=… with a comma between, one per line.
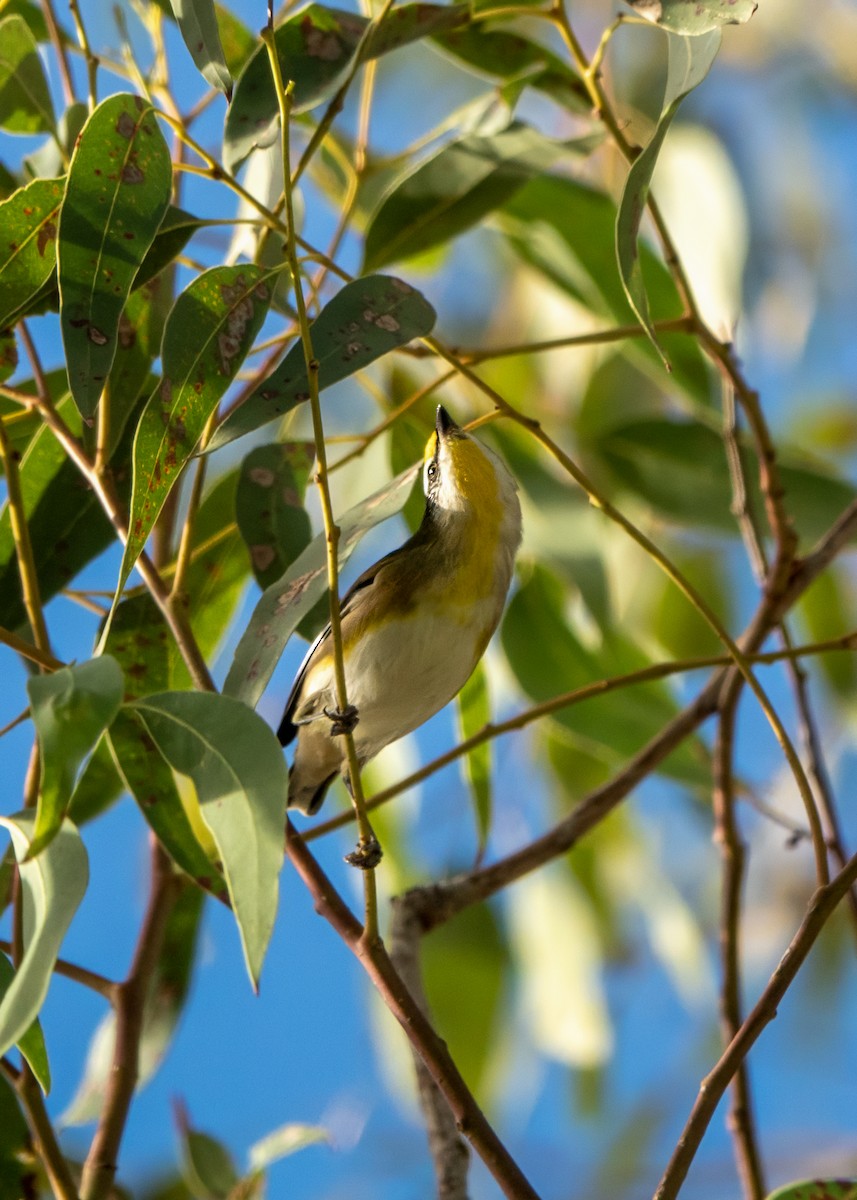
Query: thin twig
x=29, y=651
x=82, y=975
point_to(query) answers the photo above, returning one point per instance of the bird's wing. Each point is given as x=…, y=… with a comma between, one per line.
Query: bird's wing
x=357, y=595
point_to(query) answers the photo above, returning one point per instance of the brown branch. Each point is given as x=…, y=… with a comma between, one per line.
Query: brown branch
x=99, y=1170
x=374, y=959
x=740, y=1121
x=449, y=1150
x=821, y=906
x=28, y=650
x=91, y=979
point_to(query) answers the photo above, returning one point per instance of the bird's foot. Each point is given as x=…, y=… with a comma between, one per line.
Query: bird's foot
x=342, y=721
x=366, y=854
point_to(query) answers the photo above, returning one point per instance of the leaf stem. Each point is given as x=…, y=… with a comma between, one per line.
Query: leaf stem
x=91, y=59
x=45, y=660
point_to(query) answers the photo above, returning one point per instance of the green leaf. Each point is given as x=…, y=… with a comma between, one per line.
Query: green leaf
x=117, y=192
x=824, y=611
x=693, y=19
x=612, y=726
x=288, y=1139
x=18, y=1175
x=283, y=605
x=52, y=157
x=32, y=1043
x=198, y=24
x=509, y=57
x=207, y=1165
x=269, y=506
x=8, y=354
x=455, y=188
x=28, y=249
x=315, y=48
x=241, y=780
x=53, y=884
x=141, y=328
x=208, y=333
x=817, y=1189
x=465, y=966
x=25, y=101
x=567, y=230
x=365, y=320
x=141, y=643
x=173, y=234
x=474, y=712
x=98, y=787
x=71, y=708
x=161, y=1011
x=690, y=60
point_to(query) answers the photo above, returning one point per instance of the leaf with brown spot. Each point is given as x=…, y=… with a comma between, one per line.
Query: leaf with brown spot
x=365, y=320
x=25, y=100
x=211, y=327
x=678, y=16
x=119, y=181
x=269, y=506
x=28, y=245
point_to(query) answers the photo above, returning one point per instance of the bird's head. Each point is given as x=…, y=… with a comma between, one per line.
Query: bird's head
x=461, y=475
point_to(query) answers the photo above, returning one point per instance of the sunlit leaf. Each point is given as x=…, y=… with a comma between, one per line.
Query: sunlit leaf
x=53, y=884
x=817, y=1189
x=207, y=1165
x=71, y=708
x=163, y=1006
x=32, y=1043
x=117, y=192
x=365, y=320
x=208, y=333
x=699, y=17
x=454, y=189
x=25, y=101
x=28, y=249
x=284, y=1141
x=474, y=712
x=690, y=60
x=141, y=328
x=98, y=787
x=241, y=780
x=198, y=24
x=284, y=604
x=269, y=506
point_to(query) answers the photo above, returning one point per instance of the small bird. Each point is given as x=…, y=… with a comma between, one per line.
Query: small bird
x=416, y=623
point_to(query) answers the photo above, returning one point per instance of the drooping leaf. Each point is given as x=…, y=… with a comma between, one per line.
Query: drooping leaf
x=365, y=320
x=315, y=48
x=141, y=328
x=567, y=230
x=455, y=188
x=269, y=506
x=510, y=57
x=28, y=249
x=207, y=1165
x=283, y=605
x=173, y=235
x=141, y=643
x=208, y=333
x=32, y=1043
x=53, y=884
x=678, y=16
x=25, y=101
x=474, y=712
x=117, y=192
x=98, y=787
x=690, y=60
x=198, y=24
x=71, y=708
x=288, y=1139
x=241, y=780
x=162, y=1008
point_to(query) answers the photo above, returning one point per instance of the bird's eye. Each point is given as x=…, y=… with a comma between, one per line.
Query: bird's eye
x=432, y=471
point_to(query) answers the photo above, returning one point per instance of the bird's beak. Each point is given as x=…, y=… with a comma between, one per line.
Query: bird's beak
x=444, y=423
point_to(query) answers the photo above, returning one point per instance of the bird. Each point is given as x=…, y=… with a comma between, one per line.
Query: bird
x=415, y=624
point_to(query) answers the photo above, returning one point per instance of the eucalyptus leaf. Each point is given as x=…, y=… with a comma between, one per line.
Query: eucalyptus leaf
x=117, y=192
x=817, y=1189
x=283, y=605
x=25, y=101
x=474, y=712
x=28, y=249
x=690, y=60
x=32, y=1043
x=208, y=333
x=71, y=708
x=242, y=783
x=53, y=884
x=269, y=506
x=678, y=16
x=365, y=320
x=197, y=21
x=286, y=1140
